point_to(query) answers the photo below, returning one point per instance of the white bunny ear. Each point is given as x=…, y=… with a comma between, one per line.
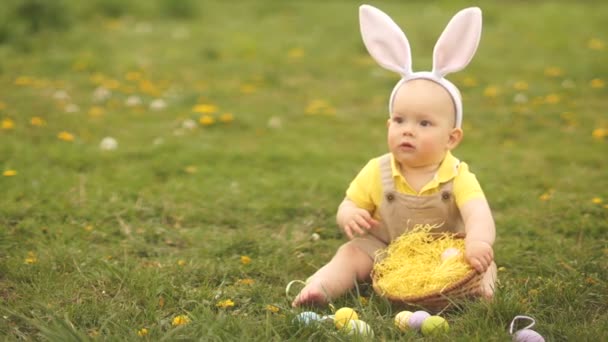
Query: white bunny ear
x=384, y=40
x=458, y=42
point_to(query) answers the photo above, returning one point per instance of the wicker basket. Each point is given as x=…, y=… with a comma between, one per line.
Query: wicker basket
x=466, y=287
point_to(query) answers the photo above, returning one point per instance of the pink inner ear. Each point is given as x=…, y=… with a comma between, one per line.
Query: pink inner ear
x=458, y=42
x=384, y=40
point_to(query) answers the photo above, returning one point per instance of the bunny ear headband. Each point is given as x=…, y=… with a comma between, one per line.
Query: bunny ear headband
x=454, y=49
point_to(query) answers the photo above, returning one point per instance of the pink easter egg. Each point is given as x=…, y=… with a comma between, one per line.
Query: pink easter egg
x=449, y=252
x=527, y=335
x=416, y=319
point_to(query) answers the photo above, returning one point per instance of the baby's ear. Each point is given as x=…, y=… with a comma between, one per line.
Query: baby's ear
x=455, y=138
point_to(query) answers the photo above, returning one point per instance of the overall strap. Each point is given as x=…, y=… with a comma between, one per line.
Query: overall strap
x=386, y=173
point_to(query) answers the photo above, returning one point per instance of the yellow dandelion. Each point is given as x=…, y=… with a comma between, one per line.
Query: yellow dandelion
x=591, y=281
x=248, y=88
x=181, y=262
x=7, y=124
x=80, y=65
x=469, y=82
x=319, y=107
x=24, y=81
x=31, y=258
x=190, y=169
x=88, y=227
x=142, y=332
x=97, y=78
x=597, y=200
x=547, y=195
x=147, y=87
x=553, y=71
x=595, y=44
x=96, y=111
x=37, y=121
x=272, y=308
x=111, y=84
x=295, y=53
x=502, y=269
x=552, y=99
x=65, y=136
x=538, y=100
x=206, y=120
x=180, y=320
x=133, y=76
x=226, y=117
x=225, y=304
x=599, y=133
x=245, y=260
x=246, y=281
x=363, y=300
x=491, y=91
x=9, y=173
x=520, y=85
x=205, y=108
x=597, y=83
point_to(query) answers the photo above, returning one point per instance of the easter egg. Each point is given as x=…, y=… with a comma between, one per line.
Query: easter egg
x=449, y=253
x=401, y=320
x=527, y=335
x=416, y=319
x=356, y=327
x=307, y=317
x=343, y=316
x=434, y=325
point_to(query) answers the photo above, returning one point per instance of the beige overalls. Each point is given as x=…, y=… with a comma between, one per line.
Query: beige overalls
x=400, y=213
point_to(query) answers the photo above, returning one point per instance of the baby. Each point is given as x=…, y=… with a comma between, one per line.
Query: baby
x=419, y=183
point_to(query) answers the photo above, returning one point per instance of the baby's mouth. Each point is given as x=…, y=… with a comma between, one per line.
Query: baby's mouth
x=406, y=145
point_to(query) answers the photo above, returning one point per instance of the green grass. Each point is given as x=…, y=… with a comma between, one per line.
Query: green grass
x=129, y=239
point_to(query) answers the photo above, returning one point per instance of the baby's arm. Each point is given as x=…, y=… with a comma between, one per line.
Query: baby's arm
x=354, y=220
x=480, y=233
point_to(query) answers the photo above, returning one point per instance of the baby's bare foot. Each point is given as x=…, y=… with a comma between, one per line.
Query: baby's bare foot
x=312, y=293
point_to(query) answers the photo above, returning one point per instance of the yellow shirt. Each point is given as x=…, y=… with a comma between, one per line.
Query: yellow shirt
x=366, y=189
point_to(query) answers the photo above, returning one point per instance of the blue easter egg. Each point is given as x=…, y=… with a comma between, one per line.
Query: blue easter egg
x=307, y=317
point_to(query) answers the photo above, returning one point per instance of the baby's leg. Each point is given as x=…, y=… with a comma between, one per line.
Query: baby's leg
x=488, y=282
x=350, y=264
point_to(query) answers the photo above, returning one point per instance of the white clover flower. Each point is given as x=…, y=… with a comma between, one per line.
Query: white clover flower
x=101, y=94
x=520, y=98
x=189, y=124
x=108, y=144
x=275, y=122
x=133, y=101
x=158, y=104
x=72, y=108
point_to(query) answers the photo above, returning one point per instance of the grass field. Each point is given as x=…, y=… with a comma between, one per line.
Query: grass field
x=240, y=125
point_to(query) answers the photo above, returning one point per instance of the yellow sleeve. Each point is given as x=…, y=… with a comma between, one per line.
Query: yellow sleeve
x=466, y=186
x=364, y=188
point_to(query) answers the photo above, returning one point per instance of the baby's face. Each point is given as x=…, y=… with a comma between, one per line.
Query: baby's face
x=421, y=124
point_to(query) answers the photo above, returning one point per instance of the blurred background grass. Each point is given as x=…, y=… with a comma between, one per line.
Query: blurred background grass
x=239, y=126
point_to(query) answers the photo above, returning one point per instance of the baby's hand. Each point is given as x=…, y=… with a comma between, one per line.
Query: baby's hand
x=479, y=254
x=357, y=221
